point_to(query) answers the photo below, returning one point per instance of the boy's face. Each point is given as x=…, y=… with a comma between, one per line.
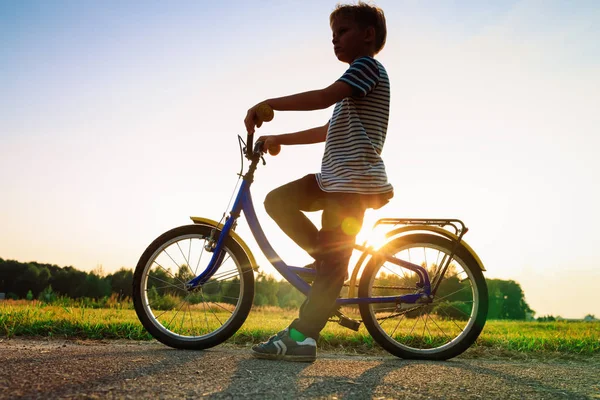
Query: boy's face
x=349, y=39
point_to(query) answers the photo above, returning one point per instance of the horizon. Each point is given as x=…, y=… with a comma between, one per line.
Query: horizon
x=99, y=271
x=119, y=121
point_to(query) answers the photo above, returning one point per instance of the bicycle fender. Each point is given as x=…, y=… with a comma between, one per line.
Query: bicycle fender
x=234, y=235
x=440, y=231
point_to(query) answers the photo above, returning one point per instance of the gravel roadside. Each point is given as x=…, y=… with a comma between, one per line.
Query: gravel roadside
x=66, y=369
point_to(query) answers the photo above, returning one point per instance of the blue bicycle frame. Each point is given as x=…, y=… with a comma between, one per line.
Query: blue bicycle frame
x=243, y=202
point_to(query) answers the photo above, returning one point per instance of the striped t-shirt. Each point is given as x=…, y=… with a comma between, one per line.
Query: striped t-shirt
x=352, y=159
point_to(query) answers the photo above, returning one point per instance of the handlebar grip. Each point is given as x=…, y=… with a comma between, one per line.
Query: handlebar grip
x=264, y=112
x=249, y=144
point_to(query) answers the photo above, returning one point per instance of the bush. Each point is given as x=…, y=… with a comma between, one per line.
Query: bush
x=166, y=302
x=260, y=300
x=47, y=295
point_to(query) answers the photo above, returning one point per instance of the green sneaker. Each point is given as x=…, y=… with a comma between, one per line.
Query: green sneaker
x=282, y=347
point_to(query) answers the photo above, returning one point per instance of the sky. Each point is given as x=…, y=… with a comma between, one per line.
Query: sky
x=119, y=120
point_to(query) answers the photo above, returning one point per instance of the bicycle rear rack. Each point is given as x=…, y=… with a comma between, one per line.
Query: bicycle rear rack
x=442, y=223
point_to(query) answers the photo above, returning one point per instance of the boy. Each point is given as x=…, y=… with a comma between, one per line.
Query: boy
x=352, y=177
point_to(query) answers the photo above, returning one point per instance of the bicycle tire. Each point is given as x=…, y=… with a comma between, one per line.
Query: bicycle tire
x=406, y=344
x=146, y=296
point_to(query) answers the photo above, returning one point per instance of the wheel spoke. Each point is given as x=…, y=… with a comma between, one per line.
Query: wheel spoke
x=441, y=330
x=187, y=263
x=437, y=261
x=169, y=284
x=182, y=319
x=166, y=286
x=189, y=256
x=417, y=320
x=209, y=309
x=398, y=324
x=448, y=295
x=205, y=314
x=229, y=297
x=191, y=319
x=453, y=321
x=169, y=272
x=222, y=277
x=174, y=262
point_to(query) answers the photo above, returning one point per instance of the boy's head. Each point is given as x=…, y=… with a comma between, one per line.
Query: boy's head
x=357, y=28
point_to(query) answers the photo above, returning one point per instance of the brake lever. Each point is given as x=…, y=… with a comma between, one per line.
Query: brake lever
x=258, y=148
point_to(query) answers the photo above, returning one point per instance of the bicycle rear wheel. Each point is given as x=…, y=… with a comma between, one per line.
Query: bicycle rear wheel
x=439, y=330
x=205, y=316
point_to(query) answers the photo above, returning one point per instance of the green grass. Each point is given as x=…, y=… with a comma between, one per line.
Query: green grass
x=22, y=318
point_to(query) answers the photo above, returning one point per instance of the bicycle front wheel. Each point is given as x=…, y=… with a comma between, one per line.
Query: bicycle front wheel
x=202, y=317
x=439, y=330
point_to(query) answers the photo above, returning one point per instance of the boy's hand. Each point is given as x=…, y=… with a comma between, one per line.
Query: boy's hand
x=271, y=143
x=252, y=120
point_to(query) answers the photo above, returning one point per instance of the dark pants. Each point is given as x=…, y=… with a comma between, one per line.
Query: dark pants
x=331, y=247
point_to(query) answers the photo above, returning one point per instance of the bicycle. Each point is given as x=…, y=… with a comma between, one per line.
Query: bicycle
x=412, y=306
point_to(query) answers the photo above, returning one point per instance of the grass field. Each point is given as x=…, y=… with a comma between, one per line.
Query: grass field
x=23, y=318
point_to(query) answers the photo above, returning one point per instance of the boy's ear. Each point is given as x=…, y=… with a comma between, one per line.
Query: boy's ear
x=370, y=34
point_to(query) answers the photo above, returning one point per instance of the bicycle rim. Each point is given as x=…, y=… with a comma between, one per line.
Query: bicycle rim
x=441, y=329
x=177, y=315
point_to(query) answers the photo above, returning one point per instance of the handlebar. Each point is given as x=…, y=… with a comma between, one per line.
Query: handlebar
x=264, y=113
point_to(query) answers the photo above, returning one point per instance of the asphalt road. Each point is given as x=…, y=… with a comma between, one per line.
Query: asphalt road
x=48, y=369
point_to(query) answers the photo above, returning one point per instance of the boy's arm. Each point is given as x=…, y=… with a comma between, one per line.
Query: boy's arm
x=309, y=136
x=313, y=100
x=306, y=101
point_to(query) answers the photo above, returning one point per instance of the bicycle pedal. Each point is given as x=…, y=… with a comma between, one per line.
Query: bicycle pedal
x=348, y=323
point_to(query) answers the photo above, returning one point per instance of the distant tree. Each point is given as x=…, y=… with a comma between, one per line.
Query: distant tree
x=121, y=282
x=27, y=279
x=43, y=279
x=260, y=300
x=547, y=318
x=161, y=280
x=10, y=271
x=96, y=287
x=590, y=317
x=73, y=283
x=230, y=291
x=184, y=274
x=266, y=287
x=99, y=270
x=506, y=300
x=288, y=296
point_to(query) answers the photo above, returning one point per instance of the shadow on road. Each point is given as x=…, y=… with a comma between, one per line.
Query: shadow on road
x=362, y=377
x=42, y=369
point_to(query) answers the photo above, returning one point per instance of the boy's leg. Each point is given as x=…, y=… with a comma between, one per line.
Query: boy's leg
x=342, y=220
x=285, y=205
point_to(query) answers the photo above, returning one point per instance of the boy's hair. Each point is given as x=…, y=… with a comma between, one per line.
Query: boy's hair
x=364, y=15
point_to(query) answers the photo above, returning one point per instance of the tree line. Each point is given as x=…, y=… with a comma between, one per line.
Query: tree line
x=40, y=281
